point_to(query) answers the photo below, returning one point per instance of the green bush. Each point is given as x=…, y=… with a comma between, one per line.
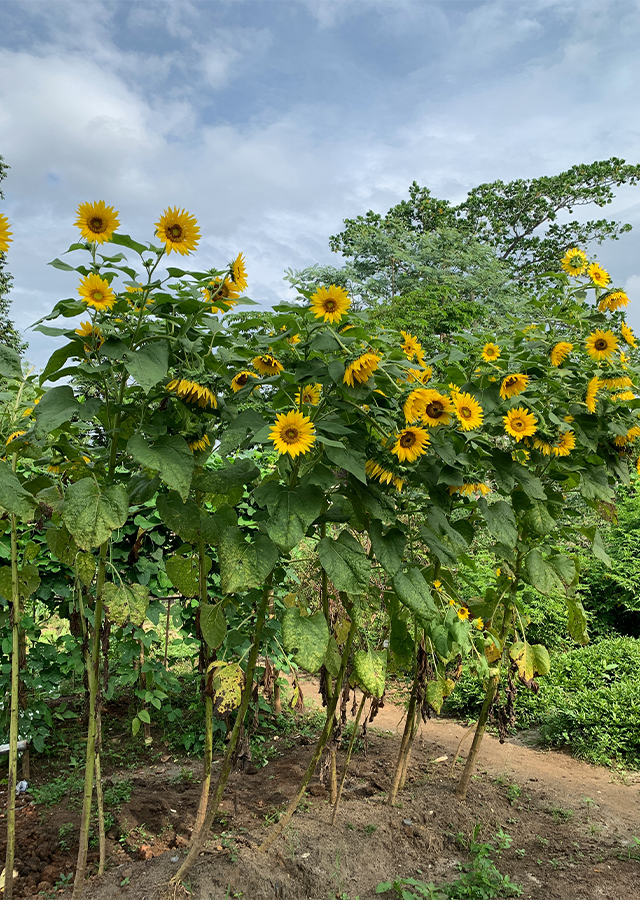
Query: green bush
x=590, y=702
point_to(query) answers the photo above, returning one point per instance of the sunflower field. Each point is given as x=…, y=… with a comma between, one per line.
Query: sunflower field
x=253, y=443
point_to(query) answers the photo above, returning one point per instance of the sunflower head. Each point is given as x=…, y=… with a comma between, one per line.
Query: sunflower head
x=198, y=443
x=560, y=352
x=330, y=303
x=292, y=433
x=592, y=390
x=411, y=443
x=310, y=394
x=628, y=335
x=468, y=411
x=520, y=423
x=238, y=273
x=96, y=292
x=241, y=380
x=178, y=230
x=361, y=369
x=601, y=344
x=92, y=334
x=5, y=234
x=384, y=476
x=463, y=613
x=267, y=364
x=193, y=392
x=598, y=275
x=513, y=385
x=612, y=301
x=411, y=346
x=96, y=221
x=490, y=352
x=574, y=262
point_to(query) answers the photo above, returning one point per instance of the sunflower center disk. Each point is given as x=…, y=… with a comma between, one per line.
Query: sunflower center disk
x=175, y=232
x=601, y=344
x=96, y=225
x=407, y=440
x=518, y=424
x=435, y=409
x=97, y=295
x=291, y=435
x=465, y=412
x=330, y=305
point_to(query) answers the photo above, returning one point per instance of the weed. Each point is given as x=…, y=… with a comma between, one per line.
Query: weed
x=560, y=814
x=369, y=829
x=514, y=793
x=64, y=881
x=63, y=832
x=53, y=791
x=118, y=793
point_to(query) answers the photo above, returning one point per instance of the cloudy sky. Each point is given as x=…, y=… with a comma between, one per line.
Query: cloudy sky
x=272, y=120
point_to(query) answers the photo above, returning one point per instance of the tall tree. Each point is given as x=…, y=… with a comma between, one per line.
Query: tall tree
x=9, y=335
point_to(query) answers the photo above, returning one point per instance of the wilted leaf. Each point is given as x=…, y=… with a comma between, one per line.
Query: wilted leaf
x=370, y=669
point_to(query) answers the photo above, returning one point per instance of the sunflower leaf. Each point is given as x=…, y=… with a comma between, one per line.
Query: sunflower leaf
x=148, y=365
x=345, y=562
x=307, y=639
x=169, y=456
x=91, y=514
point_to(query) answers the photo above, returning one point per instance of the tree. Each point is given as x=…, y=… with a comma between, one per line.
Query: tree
x=9, y=335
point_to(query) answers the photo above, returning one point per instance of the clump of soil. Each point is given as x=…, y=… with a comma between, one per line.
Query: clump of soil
x=571, y=825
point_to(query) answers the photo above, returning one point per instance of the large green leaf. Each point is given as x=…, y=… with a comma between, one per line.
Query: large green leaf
x=413, y=592
x=125, y=602
x=85, y=567
x=594, y=484
x=62, y=545
x=13, y=497
x=538, y=519
x=244, y=564
x=370, y=669
x=400, y=641
x=435, y=695
x=347, y=459
x=213, y=624
x=221, y=481
x=10, y=364
x=148, y=365
x=91, y=514
x=169, y=456
x=28, y=582
x=56, y=407
x=531, y=484
x=306, y=639
x=577, y=621
x=388, y=547
x=565, y=566
x=291, y=514
x=181, y=518
x=183, y=573
x=500, y=521
x=542, y=575
x=345, y=563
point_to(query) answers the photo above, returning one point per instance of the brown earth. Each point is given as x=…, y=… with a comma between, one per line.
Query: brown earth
x=572, y=825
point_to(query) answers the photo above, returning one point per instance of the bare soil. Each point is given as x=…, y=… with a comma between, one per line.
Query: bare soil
x=572, y=825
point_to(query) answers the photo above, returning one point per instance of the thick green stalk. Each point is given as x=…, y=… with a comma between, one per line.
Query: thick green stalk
x=197, y=840
x=324, y=737
x=405, y=744
x=13, y=728
x=352, y=742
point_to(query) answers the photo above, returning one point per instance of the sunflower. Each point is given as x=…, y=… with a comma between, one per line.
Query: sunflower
x=628, y=335
x=330, y=303
x=490, y=352
x=5, y=234
x=470, y=487
x=199, y=443
x=410, y=444
x=361, y=369
x=422, y=376
x=520, y=423
x=574, y=262
x=598, y=275
x=513, y=385
x=96, y=221
x=468, y=411
x=293, y=433
x=601, y=344
x=178, y=230
x=612, y=301
x=625, y=395
x=543, y=446
x=96, y=292
x=560, y=352
x=631, y=436
x=192, y=392
x=14, y=435
x=430, y=406
x=310, y=394
x=615, y=384
x=238, y=273
x=411, y=346
x=92, y=334
x=294, y=339
x=592, y=389
x=384, y=476
x=221, y=289
x=240, y=380
x=566, y=444
x=267, y=364
x=463, y=613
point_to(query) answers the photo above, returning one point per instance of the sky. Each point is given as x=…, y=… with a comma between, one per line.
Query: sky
x=273, y=120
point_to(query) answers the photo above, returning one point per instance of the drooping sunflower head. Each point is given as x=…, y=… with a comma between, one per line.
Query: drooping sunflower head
x=96, y=292
x=411, y=443
x=5, y=234
x=598, y=275
x=14, y=435
x=592, y=390
x=97, y=221
x=601, y=344
x=628, y=335
x=330, y=303
x=468, y=488
x=566, y=444
x=361, y=369
x=490, y=352
x=543, y=446
x=178, y=230
x=574, y=262
x=411, y=346
x=520, y=423
x=384, y=476
x=238, y=273
x=468, y=410
x=241, y=380
x=293, y=433
x=560, y=352
x=198, y=443
x=193, y=392
x=612, y=301
x=93, y=336
x=422, y=376
x=267, y=364
x=310, y=394
x=513, y=385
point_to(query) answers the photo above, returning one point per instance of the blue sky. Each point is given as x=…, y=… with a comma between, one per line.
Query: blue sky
x=271, y=121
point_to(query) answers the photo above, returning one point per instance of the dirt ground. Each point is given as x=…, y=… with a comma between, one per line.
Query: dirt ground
x=572, y=825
